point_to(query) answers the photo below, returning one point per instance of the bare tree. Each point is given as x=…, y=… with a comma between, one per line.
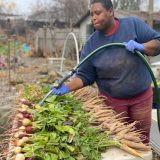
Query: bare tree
x=41, y=5
x=127, y=4
x=10, y=7
x=7, y=7
x=37, y=6
x=70, y=10
x=63, y=11
x=1, y=5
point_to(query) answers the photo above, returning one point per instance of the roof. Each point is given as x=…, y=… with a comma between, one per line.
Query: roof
x=6, y=17
x=45, y=16
x=120, y=13
x=141, y=14
x=6, y=14
x=82, y=19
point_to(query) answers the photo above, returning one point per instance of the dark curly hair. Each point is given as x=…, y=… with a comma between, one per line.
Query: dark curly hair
x=106, y=3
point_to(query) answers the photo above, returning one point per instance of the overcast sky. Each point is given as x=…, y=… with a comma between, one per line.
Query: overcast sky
x=24, y=6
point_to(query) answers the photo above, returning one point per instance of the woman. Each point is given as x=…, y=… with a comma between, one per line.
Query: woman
x=119, y=74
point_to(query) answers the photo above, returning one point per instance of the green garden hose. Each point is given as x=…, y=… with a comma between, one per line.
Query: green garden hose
x=73, y=71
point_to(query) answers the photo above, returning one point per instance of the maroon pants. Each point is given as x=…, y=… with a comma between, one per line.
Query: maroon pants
x=138, y=108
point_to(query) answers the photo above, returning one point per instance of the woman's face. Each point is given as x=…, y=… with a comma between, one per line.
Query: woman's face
x=101, y=17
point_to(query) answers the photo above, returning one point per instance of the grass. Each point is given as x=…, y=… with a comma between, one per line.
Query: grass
x=4, y=47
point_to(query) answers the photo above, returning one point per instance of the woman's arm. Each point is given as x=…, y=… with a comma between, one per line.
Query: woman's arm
x=75, y=84
x=152, y=47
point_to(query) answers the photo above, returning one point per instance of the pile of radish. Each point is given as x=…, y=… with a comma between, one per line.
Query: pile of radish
x=70, y=128
x=23, y=131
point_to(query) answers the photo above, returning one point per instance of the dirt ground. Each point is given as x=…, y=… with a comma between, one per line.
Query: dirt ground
x=32, y=70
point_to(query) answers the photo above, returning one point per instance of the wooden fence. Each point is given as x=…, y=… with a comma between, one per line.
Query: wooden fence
x=50, y=42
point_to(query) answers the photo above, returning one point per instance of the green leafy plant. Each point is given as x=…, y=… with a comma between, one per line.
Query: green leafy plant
x=62, y=131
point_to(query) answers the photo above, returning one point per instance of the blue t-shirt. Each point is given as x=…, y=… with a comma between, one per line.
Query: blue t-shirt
x=118, y=72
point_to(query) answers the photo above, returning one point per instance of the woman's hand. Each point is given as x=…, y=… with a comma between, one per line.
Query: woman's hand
x=133, y=45
x=63, y=89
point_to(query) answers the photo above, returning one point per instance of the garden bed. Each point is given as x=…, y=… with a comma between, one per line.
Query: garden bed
x=71, y=128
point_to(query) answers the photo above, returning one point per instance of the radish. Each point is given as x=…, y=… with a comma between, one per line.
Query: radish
x=29, y=129
x=24, y=106
x=24, y=135
x=25, y=102
x=21, y=142
x=20, y=115
x=26, y=122
x=22, y=110
x=17, y=134
x=27, y=115
x=17, y=150
x=20, y=156
x=22, y=128
x=30, y=159
x=25, y=139
x=21, y=136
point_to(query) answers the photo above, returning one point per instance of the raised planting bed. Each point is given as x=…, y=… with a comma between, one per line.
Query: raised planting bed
x=76, y=126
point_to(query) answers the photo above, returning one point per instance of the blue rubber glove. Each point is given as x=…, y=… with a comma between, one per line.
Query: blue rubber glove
x=132, y=45
x=63, y=89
